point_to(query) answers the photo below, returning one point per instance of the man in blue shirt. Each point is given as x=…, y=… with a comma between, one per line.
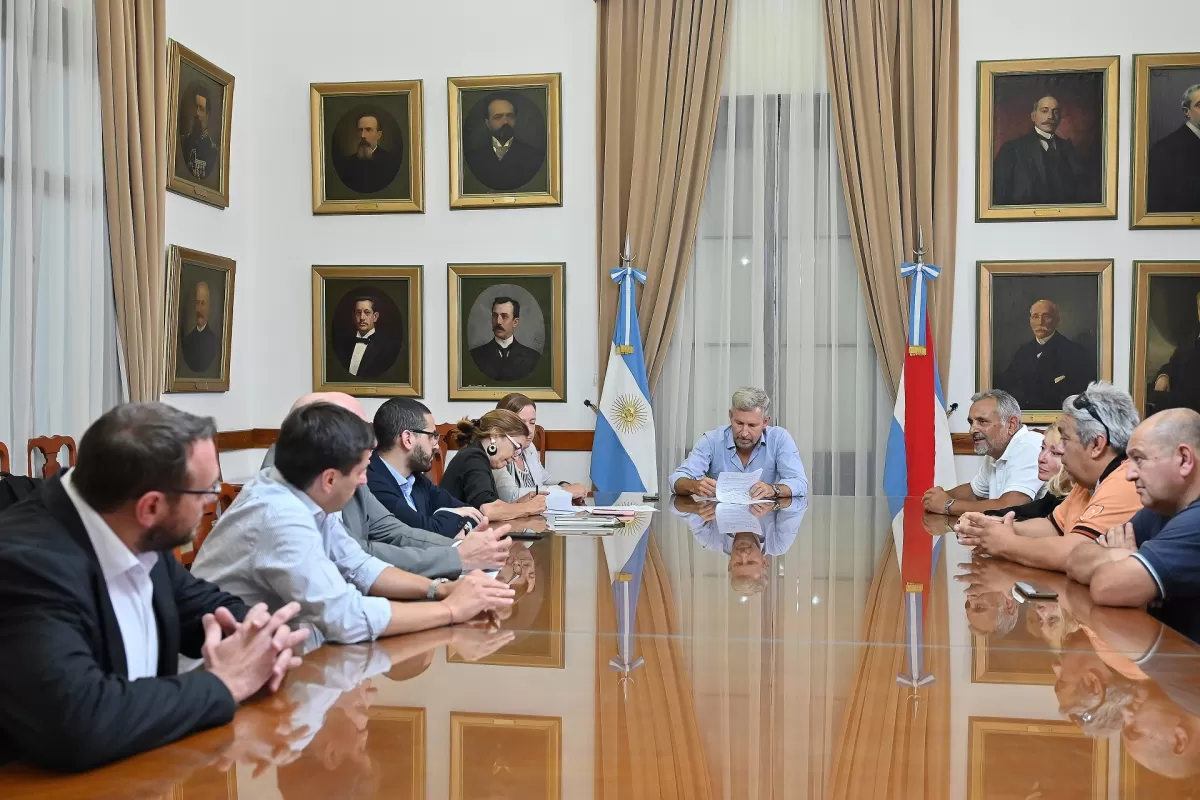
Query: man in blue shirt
x=406, y=436
x=746, y=444
x=1154, y=559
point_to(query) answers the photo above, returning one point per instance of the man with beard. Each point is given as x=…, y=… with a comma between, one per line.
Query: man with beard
x=406, y=438
x=201, y=344
x=1172, y=168
x=201, y=153
x=369, y=353
x=1009, y=474
x=504, y=162
x=1043, y=372
x=504, y=358
x=95, y=610
x=1041, y=168
x=370, y=168
x=1177, y=384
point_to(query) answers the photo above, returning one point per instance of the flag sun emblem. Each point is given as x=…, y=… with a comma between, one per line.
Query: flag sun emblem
x=629, y=413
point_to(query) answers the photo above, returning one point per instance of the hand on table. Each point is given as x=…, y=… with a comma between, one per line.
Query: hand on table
x=476, y=592
x=253, y=654
x=467, y=512
x=935, y=500
x=761, y=491
x=485, y=548
x=577, y=490
x=533, y=503
x=705, y=487
x=986, y=534
x=1119, y=537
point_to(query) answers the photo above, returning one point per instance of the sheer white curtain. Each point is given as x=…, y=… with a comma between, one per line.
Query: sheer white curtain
x=58, y=340
x=773, y=297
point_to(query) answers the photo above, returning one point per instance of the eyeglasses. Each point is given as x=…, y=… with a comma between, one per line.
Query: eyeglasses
x=1083, y=404
x=513, y=442
x=430, y=434
x=214, y=490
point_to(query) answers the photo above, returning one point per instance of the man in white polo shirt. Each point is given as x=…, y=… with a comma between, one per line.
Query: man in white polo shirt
x=1009, y=475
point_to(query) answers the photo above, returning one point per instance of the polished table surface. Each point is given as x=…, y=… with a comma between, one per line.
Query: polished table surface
x=840, y=654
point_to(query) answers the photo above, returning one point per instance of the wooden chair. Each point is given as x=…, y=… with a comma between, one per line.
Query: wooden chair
x=539, y=441
x=446, y=442
x=5, y=464
x=49, y=447
x=212, y=512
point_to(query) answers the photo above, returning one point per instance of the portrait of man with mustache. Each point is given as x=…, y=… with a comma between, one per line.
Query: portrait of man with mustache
x=370, y=167
x=504, y=162
x=503, y=358
x=201, y=153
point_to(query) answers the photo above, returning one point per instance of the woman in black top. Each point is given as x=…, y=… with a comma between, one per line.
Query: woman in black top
x=1050, y=469
x=486, y=444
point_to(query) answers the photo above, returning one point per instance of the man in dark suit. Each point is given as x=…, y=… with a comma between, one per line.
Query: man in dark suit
x=1177, y=383
x=1172, y=185
x=201, y=154
x=406, y=437
x=370, y=168
x=1041, y=168
x=1044, y=372
x=95, y=609
x=504, y=358
x=369, y=353
x=504, y=162
x=201, y=344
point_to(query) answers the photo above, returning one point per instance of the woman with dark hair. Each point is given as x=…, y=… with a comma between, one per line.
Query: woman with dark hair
x=487, y=444
x=525, y=472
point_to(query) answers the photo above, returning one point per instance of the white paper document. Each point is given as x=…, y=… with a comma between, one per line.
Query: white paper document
x=734, y=487
x=559, y=502
x=735, y=519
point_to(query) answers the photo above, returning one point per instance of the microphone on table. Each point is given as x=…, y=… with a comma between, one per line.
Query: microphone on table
x=592, y=406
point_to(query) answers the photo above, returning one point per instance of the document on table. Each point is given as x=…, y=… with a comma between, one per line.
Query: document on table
x=734, y=487
x=559, y=502
x=734, y=519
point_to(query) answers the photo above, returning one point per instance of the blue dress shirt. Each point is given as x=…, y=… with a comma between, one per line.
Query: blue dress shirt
x=775, y=454
x=405, y=484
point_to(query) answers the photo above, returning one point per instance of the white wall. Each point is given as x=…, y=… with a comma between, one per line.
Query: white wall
x=275, y=49
x=1063, y=28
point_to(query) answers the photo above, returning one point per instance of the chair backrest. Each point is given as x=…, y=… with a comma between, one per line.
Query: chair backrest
x=49, y=447
x=446, y=442
x=539, y=441
x=212, y=512
x=5, y=463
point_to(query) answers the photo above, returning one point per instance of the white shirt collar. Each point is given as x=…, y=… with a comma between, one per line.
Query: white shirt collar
x=114, y=556
x=501, y=149
x=1043, y=134
x=1012, y=443
x=1043, y=341
x=505, y=343
x=200, y=328
x=1195, y=129
x=318, y=513
x=371, y=333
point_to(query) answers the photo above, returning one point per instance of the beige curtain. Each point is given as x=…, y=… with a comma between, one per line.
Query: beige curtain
x=647, y=737
x=891, y=746
x=659, y=91
x=132, y=44
x=893, y=73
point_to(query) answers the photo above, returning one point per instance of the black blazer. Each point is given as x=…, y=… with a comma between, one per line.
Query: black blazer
x=469, y=476
x=428, y=497
x=1025, y=174
x=377, y=359
x=1043, y=376
x=1171, y=169
x=513, y=364
x=66, y=702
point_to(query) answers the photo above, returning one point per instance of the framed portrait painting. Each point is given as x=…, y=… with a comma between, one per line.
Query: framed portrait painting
x=367, y=330
x=1025, y=758
x=1165, y=357
x=1045, y=331
x=1023, y=654
x=1046, y=146
x=199, y=114
x=1166, y=141
x=505, y=755
x=507, y=331
x=199, y=320
x=505, y=141
x=535, y=570
x=368, y=154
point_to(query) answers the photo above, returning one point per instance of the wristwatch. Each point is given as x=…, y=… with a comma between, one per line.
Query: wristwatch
x=949, y=503
x=431, y=592
x=775, y=486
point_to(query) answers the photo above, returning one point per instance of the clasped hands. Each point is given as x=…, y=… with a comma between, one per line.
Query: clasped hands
x=985, y=533
x=253, y=654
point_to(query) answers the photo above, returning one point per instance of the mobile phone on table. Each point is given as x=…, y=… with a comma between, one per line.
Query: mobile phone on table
x=1026, y=592
x=526, y=536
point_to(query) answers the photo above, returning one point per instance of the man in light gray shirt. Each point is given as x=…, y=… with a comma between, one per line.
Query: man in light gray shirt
x=282, y=540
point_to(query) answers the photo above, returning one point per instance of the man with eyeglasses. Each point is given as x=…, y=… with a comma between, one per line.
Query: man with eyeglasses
x=95, y=610
x=406, y=437
x=1154, y=559
x=1095, y=428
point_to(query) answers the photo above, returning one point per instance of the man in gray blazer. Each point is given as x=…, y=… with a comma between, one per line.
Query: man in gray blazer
x=387, y=538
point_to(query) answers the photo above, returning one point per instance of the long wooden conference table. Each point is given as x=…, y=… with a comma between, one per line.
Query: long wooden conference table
x=824, y=650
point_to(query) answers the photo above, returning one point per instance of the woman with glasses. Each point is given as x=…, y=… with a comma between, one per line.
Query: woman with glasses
x=488, y=444
x=525, y=472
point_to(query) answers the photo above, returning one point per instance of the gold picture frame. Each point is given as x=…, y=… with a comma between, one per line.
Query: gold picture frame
x=1020, y=658
x=1024, y=752
x=1010, y=173
x=191, y=153
x=529, y=170
x=537, y=296
x=396, y=744
x=197, y=360
x=207, y=784
x=1157, y=131
x=392, y=180
x=1173, y=289
x=391, y=298
x=538, y=613
x=1007, y=291
x=520, y=754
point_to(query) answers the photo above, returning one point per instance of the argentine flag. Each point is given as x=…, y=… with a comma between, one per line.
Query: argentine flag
x=624, y=452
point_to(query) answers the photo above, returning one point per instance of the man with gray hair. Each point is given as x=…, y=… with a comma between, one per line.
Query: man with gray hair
x=1095, y=429
x=1174, y=162
x=748, y=443
x=1009, y=474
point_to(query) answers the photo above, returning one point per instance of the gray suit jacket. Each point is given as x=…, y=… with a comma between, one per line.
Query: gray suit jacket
x=387, y=538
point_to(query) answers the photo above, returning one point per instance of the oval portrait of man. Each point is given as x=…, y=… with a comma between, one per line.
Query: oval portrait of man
x=504, y=141
x=366, y=332
x=367, y=148
x=506, y=333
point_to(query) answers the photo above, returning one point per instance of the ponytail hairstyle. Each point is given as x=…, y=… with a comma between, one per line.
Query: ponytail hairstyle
x=499, y=422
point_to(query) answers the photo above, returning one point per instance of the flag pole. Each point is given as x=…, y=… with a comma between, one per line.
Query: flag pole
x=625, y=349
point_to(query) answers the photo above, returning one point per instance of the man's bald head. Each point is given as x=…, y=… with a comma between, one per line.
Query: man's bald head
x=340, y=399
x=1173, y=426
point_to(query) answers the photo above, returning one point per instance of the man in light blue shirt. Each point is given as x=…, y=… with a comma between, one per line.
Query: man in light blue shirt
x=282, y=540
x=746, y=444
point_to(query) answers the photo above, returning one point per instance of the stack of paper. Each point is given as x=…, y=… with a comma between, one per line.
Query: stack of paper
x=734, y=487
